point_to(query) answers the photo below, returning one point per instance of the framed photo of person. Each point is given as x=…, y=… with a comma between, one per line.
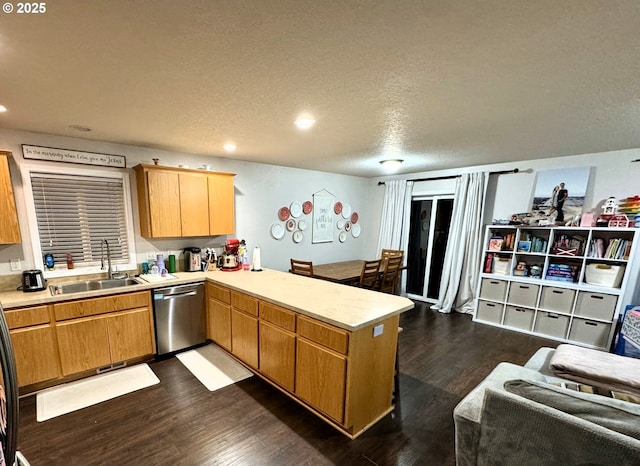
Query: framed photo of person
x=559, y=194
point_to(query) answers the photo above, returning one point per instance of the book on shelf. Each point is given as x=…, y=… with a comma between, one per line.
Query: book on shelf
x=495, y=243
x=616, y=248
x=488, y=263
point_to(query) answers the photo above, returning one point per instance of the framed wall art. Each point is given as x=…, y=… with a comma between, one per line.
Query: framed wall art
x=322, y=226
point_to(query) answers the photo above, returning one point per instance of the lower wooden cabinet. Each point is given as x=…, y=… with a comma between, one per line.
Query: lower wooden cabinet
x=74, y=336
x=278, y=354
x=244, y=337
x=130, y=335
x=219, y=323
x=344, y=377
x=36, y=354
x=321, y=378
x=84, y=344
x=34, y=344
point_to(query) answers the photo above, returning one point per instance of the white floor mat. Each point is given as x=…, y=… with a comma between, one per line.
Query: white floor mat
x=213, y=367
x=72, y=396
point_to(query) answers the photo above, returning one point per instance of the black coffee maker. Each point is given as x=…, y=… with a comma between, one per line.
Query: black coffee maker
x=192, y=260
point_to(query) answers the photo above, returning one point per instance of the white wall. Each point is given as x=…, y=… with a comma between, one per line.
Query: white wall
x=260, y=190
x=613, y=174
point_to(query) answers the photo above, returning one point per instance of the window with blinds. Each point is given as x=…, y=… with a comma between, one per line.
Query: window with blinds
x=75, y=214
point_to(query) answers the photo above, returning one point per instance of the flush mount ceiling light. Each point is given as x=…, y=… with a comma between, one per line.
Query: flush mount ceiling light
x=229, y=147
x=391, y=165
x=3, y=109
x=304, y=121
x=84, y=129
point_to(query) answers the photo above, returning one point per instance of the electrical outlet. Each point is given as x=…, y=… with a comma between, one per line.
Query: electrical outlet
x=15, y=265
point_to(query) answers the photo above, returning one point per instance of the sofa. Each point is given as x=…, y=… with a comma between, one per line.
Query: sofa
x=522, y=415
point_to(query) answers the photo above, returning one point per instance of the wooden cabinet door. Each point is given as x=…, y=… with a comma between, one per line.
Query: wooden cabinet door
x=278, y=354
x=36, y=354
x=130, y=334
x=219, y=323
x=164, y=203
x=244, y=337
x=321, y=378
x=10, y=231
x=194, y=204
x=83, y=344
x=221, y=205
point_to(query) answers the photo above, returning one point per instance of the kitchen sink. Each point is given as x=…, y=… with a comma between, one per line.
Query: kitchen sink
x=91, y=285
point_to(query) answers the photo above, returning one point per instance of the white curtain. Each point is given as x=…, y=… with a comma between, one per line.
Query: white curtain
x=394, y=227
x=461, y=269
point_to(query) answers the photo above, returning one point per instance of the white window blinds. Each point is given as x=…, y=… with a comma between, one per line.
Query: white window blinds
x=75, y=213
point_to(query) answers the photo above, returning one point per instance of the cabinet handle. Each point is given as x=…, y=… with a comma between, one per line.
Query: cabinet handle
x=494, y=282
x=593, y=324
x=553, y=316
x=490, y=305
x=558, y=292
x=521, y=310
x=522, y=287
x=595, y=296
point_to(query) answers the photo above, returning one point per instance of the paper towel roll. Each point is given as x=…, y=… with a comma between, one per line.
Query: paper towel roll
x=255, y=262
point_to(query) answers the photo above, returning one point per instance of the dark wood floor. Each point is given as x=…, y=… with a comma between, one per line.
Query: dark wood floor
x=179, y=422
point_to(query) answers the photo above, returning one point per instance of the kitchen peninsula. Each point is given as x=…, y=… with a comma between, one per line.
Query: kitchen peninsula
x=330, y=347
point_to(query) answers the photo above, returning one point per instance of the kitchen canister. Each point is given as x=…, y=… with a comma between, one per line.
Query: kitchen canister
x=172, y=263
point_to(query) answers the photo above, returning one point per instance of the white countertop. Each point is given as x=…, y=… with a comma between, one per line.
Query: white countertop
x=345, y=306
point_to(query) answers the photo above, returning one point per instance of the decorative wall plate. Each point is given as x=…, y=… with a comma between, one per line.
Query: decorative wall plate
x=296, y=209
x=337, y=208
x=291, y=224
x=297, y=236
x=277, y=230
x=346, y=211
x=340, y=224
x=302, y=224
x=355, y=230
x=354, y=217
x=347, y=226
x=283, y=213
x=307, y=207
x=342, y=237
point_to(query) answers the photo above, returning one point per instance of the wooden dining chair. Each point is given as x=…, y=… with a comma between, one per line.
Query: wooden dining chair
x=390, y=275
x=299, y=267
x=370, y=274
x=391, y=252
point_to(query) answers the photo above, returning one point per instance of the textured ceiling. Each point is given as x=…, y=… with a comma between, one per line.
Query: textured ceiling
x=440, y=84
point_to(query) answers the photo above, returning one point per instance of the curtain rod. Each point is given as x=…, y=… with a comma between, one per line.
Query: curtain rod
x=503, y=172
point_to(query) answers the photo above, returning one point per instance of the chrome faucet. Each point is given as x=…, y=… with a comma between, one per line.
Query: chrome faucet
x=109, y=270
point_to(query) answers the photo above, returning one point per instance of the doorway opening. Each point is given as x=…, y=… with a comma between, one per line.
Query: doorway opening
x=428, y=235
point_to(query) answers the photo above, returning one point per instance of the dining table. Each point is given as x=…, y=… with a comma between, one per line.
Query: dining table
x=345, y=272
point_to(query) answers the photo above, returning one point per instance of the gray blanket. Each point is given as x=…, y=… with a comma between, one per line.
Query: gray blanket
x=596, y=368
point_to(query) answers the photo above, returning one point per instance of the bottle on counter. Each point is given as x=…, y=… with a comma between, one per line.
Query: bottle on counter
x=69, y=261
x=49, y=262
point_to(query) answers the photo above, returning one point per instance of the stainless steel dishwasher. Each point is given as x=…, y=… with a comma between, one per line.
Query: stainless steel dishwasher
x=179, y=313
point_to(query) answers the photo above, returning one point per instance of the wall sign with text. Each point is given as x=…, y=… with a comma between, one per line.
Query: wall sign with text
x=51, y=154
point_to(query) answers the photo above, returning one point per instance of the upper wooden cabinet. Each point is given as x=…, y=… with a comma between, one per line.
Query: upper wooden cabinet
x=179, y=202
x=10, y=231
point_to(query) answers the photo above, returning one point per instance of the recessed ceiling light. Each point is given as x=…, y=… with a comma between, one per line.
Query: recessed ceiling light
x=391, y=165
x=3, y=108
x=229, y=147
x=84, y=129
x=305, y=121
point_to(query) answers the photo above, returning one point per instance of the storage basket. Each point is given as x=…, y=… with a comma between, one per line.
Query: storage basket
x=604, y=275
x=502, y=266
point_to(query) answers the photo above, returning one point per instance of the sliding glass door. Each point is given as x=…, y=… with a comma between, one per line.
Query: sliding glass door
x=428, y=235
